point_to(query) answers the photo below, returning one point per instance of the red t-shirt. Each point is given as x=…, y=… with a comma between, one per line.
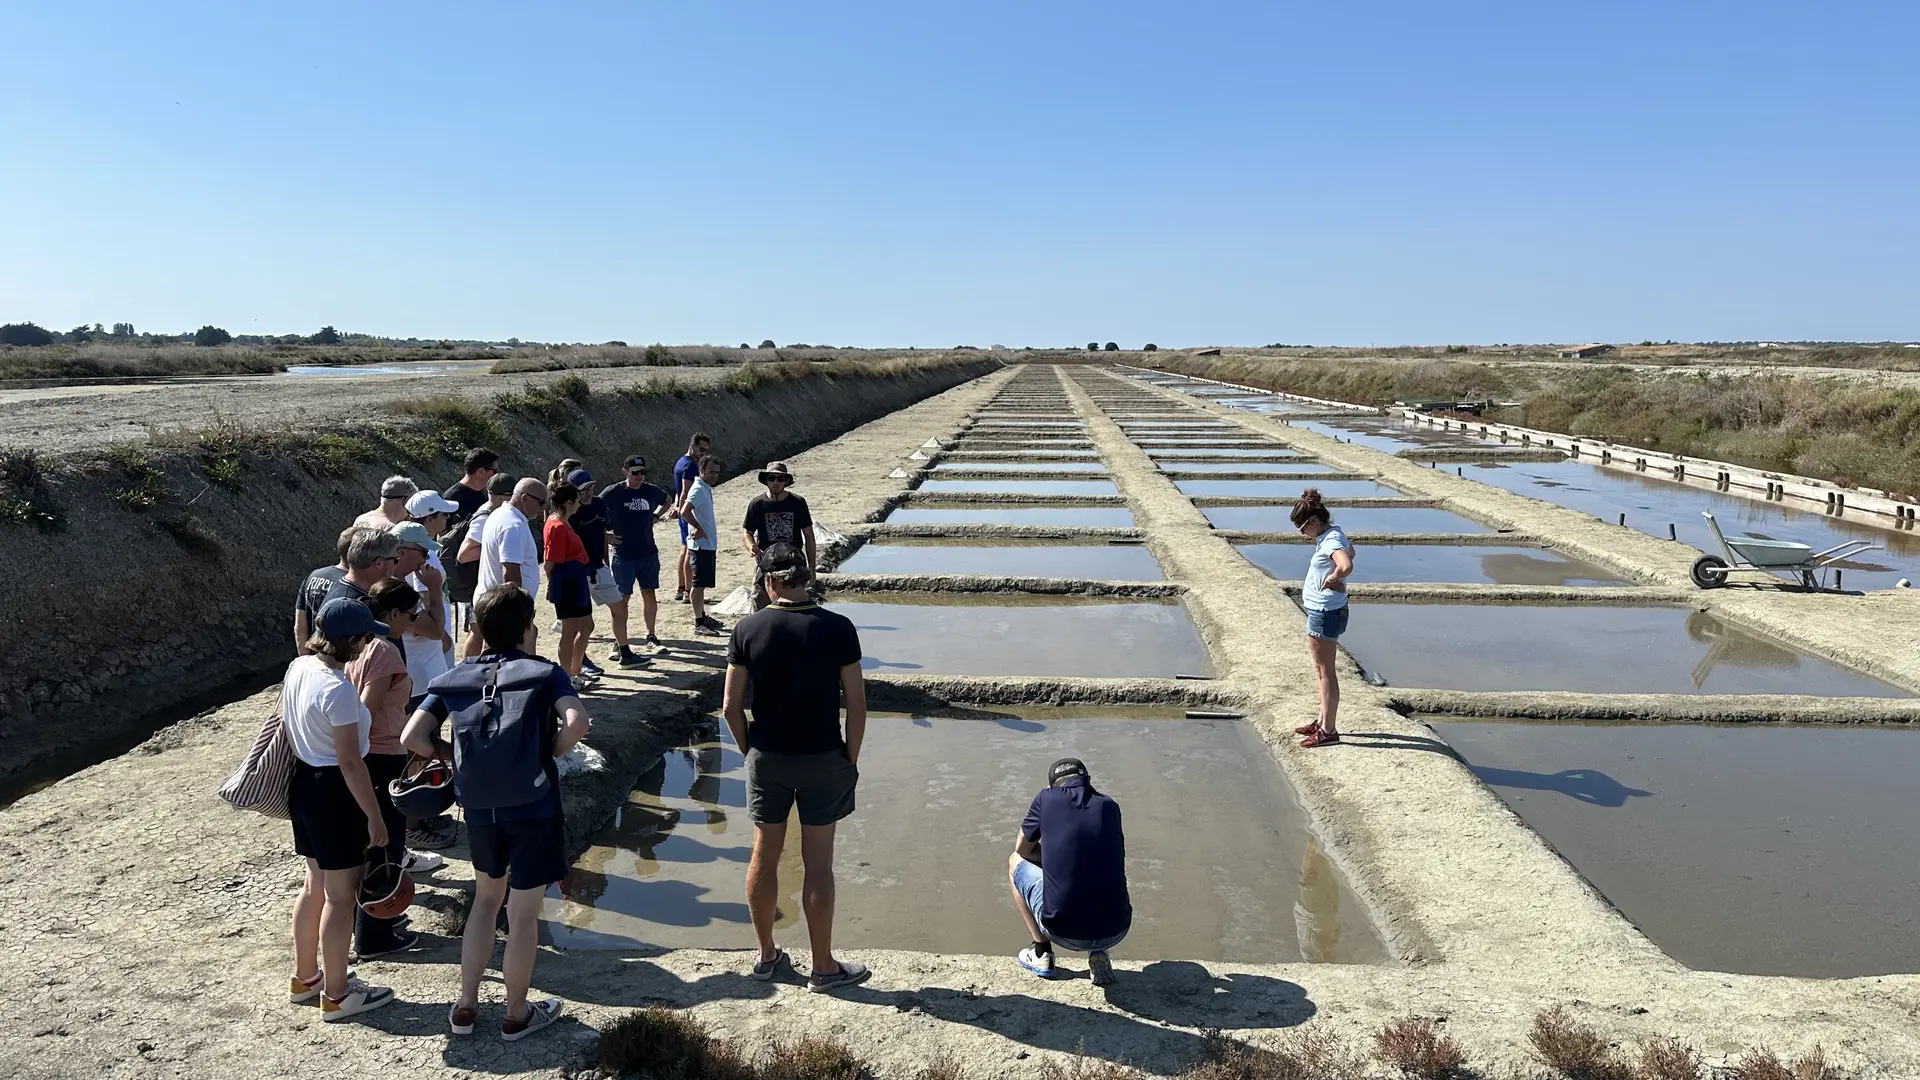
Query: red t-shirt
x=562, y=544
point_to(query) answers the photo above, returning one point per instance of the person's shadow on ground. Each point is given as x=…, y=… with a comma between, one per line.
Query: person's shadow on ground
x=1590, y=786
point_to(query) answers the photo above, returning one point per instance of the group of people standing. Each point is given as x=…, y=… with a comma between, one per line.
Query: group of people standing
x=427, y=619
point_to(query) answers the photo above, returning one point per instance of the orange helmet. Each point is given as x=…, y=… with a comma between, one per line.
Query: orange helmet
x=386, y=892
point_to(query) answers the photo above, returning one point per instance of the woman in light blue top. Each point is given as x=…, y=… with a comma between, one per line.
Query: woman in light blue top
x=1324, y=596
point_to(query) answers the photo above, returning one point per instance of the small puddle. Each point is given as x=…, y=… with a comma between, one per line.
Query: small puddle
x=1749, y=848
x=1466, y=563
x=1354, y=519
x=921, y=865
x=1021, y=466
x=1025, y=487
x=1288, y=489
x=362, y=371
x=940, y=634
x=1084, y=516
x=1586, y=648
x=1102, y=562
x=1295, y=465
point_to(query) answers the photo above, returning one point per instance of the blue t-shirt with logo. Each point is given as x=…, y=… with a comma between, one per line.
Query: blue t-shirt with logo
x=630, y=513
x=1314, y=594
x=1083, y=858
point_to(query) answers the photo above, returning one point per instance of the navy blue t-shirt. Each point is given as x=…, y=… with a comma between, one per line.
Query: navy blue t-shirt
x=685, y=471
x=590, y=524
x=630, y=513
x=1083, y=857
x=558, y=686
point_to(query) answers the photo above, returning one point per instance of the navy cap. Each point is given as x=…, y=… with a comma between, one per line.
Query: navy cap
x=342, y=619
x=579, y=478
x=1064, y=768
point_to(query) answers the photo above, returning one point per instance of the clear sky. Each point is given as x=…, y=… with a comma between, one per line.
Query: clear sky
x=982, y=172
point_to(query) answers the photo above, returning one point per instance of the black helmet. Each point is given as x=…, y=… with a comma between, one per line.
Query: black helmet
x=425, y=789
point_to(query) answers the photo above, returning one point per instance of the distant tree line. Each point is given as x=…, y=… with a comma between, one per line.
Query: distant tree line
x=209, y=336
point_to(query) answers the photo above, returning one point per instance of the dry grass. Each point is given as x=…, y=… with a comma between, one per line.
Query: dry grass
x=1844, y=431
x=1574, y=1050
x=1302, y=1055
x=1415, y=1046
x=563, y=358
x=667, y=1045
x=1082, y=1067
x=811, y=1058
x=1764, y=1065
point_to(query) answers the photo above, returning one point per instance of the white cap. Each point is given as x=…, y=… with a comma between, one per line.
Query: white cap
x=424, y=503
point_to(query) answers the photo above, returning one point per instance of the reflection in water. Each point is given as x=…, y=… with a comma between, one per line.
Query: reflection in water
x=1726, y=645
x=1517, y=568
x=1316, y=914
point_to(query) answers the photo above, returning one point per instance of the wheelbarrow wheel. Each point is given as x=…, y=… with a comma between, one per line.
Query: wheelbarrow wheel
x=1709, y=571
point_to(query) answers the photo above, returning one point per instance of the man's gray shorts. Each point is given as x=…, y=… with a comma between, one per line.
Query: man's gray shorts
x=821, y=783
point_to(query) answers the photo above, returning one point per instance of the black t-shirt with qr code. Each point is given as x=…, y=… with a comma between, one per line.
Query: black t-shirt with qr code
x=777, y=521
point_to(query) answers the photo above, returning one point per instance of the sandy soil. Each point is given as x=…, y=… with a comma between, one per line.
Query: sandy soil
x=144, y=925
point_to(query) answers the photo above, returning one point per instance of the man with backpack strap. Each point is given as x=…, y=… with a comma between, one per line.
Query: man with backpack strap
x=512, y=714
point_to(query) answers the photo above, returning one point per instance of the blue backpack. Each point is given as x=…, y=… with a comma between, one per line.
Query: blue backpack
x=502, y=716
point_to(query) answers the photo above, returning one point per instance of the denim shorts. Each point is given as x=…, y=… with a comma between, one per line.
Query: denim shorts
x=1031, y=881
x=1327, y=625
x=641, y=570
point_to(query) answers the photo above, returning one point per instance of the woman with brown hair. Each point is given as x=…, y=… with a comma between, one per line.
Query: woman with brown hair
x=1324, y=596
x=336, y=816
x=380, y=675
x=568, y=577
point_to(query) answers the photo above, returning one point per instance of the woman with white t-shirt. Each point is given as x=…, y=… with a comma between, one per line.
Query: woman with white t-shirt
x=1324, y=596
x=336, y=816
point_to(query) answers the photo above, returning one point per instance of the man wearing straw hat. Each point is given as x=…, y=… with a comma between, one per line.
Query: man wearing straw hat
x=778, y=517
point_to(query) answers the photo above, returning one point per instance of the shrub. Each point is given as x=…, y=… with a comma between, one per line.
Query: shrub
x=24, y=496
x=1574, y=1050
x=1082, y=1067
x=666, y=1045
x=1764, y=1065
x=336, y=455
x=1314, y=1055
x=1149, y=347
x=1415, y=1046
x=225, y=471
x=31, y=334
x=146, y=485
x=1668, y=1059
x=1093, y=346
x=812, y=1058
x=1112, y=347
x=208, y=336
x=453, y=422
x=768, y=344
x=573, y=387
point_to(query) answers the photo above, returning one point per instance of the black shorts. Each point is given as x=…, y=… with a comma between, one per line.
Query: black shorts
x=704, y=560
x=530, y=854
x=572, y=598
x=328, y=825
x=822, y=784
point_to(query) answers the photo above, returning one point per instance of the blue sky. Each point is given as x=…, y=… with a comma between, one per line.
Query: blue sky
x=1020, y=173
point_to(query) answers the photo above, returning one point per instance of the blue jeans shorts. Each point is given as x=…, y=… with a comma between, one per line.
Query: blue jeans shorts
x=641, y=570
x=1031, y=882
x=1327, y=625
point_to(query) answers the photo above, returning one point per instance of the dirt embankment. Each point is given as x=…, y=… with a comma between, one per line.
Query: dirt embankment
x=168, y=585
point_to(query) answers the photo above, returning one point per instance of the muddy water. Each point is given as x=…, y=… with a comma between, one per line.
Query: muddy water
x=1765, y=850
x=1651, y=504
x=1473, y=564
x=1104, y=562
x=1235, y=876
x=1085, y=516
x=1025, y=487
x=1288, y=489
x=1597, y=649
x=1354, y=519
x=945, y=635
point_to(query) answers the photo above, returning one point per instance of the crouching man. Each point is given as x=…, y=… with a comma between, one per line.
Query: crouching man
x=1077, y=897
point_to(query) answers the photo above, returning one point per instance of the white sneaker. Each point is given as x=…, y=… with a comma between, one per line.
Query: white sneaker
x=422, y=862
x=1040, y=964
x=360, y=998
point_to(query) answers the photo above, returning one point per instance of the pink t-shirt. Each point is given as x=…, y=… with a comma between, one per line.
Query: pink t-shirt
x=382, y=660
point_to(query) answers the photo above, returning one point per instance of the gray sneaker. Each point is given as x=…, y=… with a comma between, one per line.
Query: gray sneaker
x=1100, y=967
x=850, y=974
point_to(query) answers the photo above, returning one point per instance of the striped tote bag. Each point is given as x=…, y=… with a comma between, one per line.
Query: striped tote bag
x=262, y=781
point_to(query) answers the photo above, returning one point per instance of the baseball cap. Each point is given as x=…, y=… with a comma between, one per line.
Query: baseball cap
x=341, y=619
x=637, y=461
x=413, y=534
x=430, y=502
x=579, y=478
x=1065, y=767
x=501, y=484
x=780, y=557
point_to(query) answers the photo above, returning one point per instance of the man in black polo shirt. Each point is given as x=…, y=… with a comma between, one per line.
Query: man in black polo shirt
x=798, y=660
x=1077, y=897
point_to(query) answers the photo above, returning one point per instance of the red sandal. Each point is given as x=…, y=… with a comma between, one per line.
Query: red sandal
x=1307, y=729
x=1319, y=738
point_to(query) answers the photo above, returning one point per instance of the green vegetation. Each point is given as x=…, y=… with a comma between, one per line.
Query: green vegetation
x=1847, y=432
x=145, y=484
x=24, y=495
x=454, y=423
x=29, y=335
x=210, y=336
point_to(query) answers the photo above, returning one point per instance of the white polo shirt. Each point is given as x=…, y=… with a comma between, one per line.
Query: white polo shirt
x=509, y=539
